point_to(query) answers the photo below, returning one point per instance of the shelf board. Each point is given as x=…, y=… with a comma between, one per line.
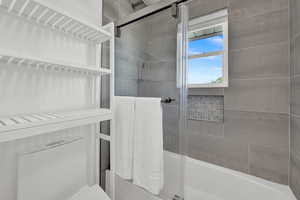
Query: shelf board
x=23, y=126
x=12, y=58
x=55, y=18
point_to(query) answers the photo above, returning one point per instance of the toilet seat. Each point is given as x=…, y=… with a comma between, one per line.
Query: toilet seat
x=90, y=193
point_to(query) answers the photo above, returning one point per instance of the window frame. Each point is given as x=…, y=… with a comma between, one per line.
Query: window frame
x=219, y=18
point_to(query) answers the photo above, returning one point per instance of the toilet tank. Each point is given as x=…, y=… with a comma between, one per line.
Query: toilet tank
x=52, y=173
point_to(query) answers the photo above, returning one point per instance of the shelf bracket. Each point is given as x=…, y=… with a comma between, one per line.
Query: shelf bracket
x=23, y=7
x=12, y=5
x=50, y=18
x=42, y=15
x=33, y=11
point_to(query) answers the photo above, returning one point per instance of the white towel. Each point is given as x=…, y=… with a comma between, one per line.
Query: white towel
x=148, y=145
x=125, y=107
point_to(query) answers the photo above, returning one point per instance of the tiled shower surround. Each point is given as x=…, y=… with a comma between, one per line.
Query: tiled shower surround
x=254, y=135
x=295, y=97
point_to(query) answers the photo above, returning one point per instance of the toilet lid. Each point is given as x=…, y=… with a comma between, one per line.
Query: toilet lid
x=90, y=193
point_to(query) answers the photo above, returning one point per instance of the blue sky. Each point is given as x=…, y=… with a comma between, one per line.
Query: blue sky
x=207, y=69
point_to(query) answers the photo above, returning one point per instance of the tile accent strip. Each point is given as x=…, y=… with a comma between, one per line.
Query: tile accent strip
x=206, y=108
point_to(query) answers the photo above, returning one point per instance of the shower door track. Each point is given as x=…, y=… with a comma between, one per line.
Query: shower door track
x=148, y=11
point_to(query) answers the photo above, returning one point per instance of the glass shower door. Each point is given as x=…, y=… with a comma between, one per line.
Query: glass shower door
x=151, y=62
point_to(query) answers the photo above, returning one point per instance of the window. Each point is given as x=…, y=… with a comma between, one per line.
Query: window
x=208, y=51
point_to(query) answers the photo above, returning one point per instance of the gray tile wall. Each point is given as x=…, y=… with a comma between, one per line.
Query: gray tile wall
x=295, y=96
x=129, y=47
x=158, y=75
x=254, y=137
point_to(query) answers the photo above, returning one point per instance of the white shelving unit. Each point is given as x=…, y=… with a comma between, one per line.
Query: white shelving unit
x=53, y=17
x=17, y=127
x=33, y=124
x=6, y=57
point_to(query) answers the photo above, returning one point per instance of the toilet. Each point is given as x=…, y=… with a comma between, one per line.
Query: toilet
x=90, y=193
x=58, y=172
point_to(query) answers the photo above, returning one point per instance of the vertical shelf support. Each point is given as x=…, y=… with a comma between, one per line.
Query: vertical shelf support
x=112, y=106
x=109, y=28
x=97, y=96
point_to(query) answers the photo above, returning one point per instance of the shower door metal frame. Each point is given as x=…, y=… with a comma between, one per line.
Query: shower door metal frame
x=182, y=69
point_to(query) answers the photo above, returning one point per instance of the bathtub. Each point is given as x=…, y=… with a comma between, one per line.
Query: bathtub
x=204, y=181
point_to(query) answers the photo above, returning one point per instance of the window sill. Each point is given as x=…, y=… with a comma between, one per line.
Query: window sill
x=215, y=85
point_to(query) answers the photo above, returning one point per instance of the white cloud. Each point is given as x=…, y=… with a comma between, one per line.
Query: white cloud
x=194, y=51
x=210, y=58
x=217, y=40
x=217, y=68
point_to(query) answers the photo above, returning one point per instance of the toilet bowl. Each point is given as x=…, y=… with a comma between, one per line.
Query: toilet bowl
x=90, y=193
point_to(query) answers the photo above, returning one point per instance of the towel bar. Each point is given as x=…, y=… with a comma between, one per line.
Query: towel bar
x=167, y=100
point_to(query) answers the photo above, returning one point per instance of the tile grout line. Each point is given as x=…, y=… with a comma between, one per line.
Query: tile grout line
x=289, y=128
x=295, y=115
x=256, y=15
x=260, y=78
x=256, y=111
x=249, y=158
x=260, y=45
